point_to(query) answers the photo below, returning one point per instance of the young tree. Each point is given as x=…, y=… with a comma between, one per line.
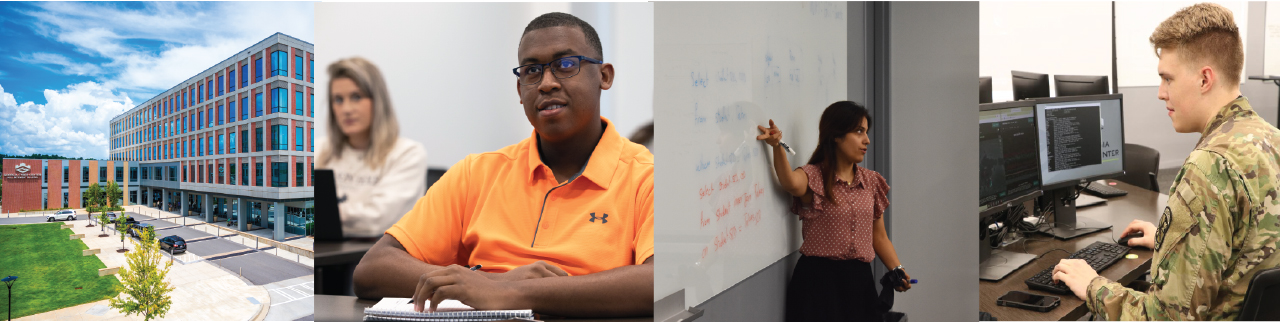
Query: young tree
x=102, y=220
x=112, y=193
x=143, y=288
x=94, y=196
x=122, y=228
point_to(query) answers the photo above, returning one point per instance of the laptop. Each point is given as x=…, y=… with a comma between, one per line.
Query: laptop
x=328, y=222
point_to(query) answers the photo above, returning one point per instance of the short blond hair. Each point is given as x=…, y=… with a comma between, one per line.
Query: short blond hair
x=1204, y=32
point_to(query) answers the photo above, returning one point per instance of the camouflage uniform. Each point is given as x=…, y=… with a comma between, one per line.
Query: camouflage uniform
x=1219, y=228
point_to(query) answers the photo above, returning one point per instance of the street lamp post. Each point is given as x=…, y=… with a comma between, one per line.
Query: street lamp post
x=8, y=282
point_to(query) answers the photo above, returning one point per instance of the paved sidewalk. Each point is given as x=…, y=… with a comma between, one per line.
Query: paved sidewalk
x=229, y=233
x=202, y=291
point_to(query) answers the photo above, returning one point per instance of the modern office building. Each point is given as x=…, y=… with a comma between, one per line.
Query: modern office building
x=30, y=186
x=232, y=143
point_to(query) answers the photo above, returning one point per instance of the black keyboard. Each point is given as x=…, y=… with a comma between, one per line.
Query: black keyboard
x=1100, y=255
x=1103, y=190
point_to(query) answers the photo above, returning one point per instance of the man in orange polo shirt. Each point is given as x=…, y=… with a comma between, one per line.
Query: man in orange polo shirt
x=561, y=223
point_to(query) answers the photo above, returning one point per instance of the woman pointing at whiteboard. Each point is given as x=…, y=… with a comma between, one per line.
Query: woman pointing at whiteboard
x=840, y=205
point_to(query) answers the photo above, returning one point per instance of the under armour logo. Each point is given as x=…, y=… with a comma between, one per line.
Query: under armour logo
x=602, y=218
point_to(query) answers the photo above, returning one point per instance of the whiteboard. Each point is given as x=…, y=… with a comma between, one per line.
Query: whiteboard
x=720, y=70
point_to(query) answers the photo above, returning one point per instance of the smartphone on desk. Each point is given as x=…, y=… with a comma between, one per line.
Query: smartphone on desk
x=1028, y=301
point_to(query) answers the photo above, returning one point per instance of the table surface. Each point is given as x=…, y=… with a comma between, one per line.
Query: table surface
x=336, y=253
x=1139, y=204
x=351, y=308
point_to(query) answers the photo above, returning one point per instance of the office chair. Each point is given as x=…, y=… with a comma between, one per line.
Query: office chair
x=1261, y=298
x=432, y=176
x=1140, y=165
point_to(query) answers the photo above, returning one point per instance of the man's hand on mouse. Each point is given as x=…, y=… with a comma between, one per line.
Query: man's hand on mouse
x=1149, y=234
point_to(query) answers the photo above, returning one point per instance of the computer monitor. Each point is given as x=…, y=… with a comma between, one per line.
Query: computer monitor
x=1009, y=174
x=1080, y=138
x=1029, y=85
x=985, y=89
x=1077, y=85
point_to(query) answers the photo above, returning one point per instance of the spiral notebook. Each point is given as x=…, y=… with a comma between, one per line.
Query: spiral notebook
x=402, y=309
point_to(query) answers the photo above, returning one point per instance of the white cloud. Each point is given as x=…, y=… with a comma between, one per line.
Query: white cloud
x=195, y=36
x=73, y=122
x=68, y=67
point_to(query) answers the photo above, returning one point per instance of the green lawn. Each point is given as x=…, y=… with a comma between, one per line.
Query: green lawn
x=50, y=267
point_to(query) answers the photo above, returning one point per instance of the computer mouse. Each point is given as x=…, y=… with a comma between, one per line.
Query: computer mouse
x=1125, y=240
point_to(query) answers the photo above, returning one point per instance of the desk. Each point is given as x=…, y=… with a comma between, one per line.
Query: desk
x=335, y=262
x=350, y=308
x=1139, y=204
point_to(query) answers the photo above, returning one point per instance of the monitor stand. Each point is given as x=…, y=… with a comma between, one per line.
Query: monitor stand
x=995, y=264
x=1066, y=224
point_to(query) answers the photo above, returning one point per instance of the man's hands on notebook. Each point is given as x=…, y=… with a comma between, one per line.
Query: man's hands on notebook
x=480, y=290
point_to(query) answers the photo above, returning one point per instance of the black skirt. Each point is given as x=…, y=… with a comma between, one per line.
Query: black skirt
x=824, y=289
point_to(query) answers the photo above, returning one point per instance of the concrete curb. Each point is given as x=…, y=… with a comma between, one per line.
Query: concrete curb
x=262, y=309
x=108, y=271
x=77, y=236
x=89, y=252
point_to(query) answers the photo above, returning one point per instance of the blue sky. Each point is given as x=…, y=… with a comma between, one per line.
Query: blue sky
x=67, y=68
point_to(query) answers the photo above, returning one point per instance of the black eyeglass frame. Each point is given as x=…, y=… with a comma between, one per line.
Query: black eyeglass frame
x=580, y=58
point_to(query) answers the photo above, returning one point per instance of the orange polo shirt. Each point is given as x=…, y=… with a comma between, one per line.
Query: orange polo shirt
x=505, y=209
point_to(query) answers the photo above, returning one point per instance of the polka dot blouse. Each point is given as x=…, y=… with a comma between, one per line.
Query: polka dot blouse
x=842, y=230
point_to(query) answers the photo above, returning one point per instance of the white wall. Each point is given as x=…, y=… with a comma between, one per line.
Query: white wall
x=1135, y=21
x=1056, y=38
x=448, y=66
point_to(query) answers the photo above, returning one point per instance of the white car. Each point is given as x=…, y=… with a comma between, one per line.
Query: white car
x=61, y=215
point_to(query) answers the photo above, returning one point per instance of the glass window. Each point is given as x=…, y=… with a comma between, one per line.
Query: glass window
x=231, y=174
x=231, y=81
x=84, y=174
x=279, y=174
x=220, y=142
x=173, y=173
x=120, y=173
x=244, y=76
x=298, y=138
x=102, y=174
x=311, y=71
x=298, y=67
x=210, y=173
x=159, y=173
x=220, y=85
x=133, y=174
x=258, y=70
x=145, y=173
x=200, y=90
x=200, y=122
x=231, y=138
x=258, y=174
x=298, y=102
x=257, y=104
x=221, y=173
x=200, y=174
x=209, y=118
x=244, y=108
x=200, y=147
x=66, y=175
x=279, y=63
x=280, y=137
x=311, y=105
x=244, y=140
x=244, y=174
x=298, y=174
x=219, y=114
x=209, y=93
x=279, y=100
x=231, y=111
x=312, y=142
x=258, y=139
x=184, y=149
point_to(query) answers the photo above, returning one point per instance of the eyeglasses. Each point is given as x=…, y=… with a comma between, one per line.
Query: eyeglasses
x=562, y=68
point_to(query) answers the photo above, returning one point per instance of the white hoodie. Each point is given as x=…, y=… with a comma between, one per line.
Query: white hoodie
x=372, y=200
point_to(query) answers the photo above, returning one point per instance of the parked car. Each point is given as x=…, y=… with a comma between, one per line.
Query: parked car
x=136, y=230
x=129, y=222
x=173, y=243
x=61, y=215
x=111, y=216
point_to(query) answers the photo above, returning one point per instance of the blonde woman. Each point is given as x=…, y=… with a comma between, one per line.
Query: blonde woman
x=378, y=174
